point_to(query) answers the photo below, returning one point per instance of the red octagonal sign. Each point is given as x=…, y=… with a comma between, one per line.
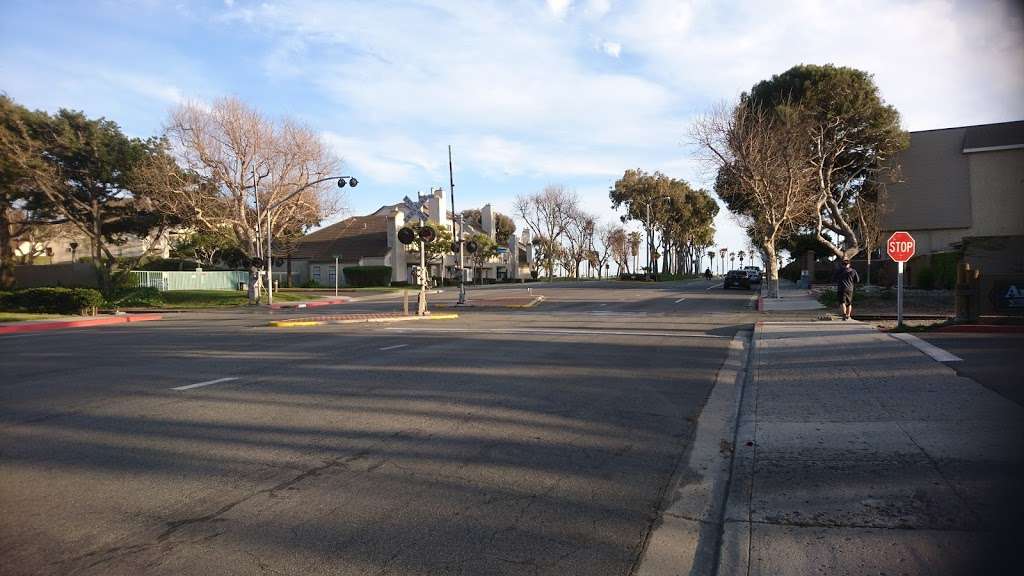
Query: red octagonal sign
x=900, y=246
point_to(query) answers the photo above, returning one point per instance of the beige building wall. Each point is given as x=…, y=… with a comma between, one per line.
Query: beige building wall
x=997, y=193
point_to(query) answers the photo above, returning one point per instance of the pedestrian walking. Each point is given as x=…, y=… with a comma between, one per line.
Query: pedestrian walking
x=845, y=278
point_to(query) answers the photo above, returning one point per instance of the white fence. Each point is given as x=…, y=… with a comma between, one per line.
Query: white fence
x=193, y=280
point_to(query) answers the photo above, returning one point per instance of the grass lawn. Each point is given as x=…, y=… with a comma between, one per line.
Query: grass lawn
x=22, y=316
x=215, y=298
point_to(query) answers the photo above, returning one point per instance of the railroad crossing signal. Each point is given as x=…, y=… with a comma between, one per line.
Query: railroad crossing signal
x=415, y=209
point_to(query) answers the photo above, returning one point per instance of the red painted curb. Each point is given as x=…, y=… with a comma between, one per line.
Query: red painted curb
x=983, y=328
x=311, y=304
x=21, y=328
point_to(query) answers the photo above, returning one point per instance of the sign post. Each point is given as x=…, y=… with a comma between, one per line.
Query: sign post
x=901, y=247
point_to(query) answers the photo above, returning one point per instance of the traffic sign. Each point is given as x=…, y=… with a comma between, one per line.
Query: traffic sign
x=900, y=246
x=415, y=209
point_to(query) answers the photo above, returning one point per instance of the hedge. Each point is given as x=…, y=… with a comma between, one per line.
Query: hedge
x=52, y=300
x=362, y=276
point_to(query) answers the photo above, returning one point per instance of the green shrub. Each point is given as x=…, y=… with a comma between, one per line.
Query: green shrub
x=943, y=267
x=136, y=297
x=310, y=284
x=53, y=300
x=362, y=276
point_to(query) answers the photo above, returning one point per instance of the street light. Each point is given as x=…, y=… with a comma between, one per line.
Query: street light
x=337, y=274
x=342, y=181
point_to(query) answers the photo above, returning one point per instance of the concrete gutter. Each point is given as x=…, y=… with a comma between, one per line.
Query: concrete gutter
x=688, y=536
x=357, y=319
x=312, y=303
x=36, y=326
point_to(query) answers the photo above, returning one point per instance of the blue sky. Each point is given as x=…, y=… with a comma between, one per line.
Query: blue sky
x=528, y=93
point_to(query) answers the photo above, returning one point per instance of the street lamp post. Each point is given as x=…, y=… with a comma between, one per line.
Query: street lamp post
x=342, y=181
x=337, y=274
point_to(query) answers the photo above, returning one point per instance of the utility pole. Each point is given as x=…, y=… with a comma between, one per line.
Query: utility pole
x=457, y=237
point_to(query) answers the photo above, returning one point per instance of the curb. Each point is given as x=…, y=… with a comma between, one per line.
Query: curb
x=312, y=303
x=982, y=328
x=687, y=539
x=485, y=304
x=320, y=321
x=22, y=328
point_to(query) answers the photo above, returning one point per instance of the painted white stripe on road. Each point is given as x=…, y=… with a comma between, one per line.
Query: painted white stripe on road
x=713, y=286
x=207, y=383
x=928, y=348
x=680, y=300
x=393, y=347
x=560, y=332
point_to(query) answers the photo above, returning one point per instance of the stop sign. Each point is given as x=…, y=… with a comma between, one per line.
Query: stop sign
x=900, y=246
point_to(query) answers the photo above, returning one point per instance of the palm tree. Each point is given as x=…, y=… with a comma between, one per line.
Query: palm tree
x=742, y=255
x=711, y=258
x=732, y=259
x=722, y=252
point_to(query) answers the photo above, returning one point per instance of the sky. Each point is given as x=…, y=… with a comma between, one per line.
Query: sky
x=527, y=92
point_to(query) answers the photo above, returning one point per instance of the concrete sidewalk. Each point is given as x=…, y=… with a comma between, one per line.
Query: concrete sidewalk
x=858, y=454
x=791, y=298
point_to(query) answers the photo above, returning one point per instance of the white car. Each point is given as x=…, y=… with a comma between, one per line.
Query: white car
x=754, y=273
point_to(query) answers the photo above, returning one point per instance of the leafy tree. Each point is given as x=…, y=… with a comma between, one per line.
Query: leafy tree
x=504, y=227
x=23, y=169
x=81, y=171
x=486, y=248
x=850, y=135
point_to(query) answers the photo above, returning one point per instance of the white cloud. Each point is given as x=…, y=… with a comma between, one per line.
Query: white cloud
x=613, y=49
x=597, y=8
x=559, y=8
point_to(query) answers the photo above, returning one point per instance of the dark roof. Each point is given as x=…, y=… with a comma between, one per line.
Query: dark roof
x=989, y=136
x=354, y=238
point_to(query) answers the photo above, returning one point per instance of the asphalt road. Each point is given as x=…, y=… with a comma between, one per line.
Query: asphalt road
x=535, y=441
x=996, y=361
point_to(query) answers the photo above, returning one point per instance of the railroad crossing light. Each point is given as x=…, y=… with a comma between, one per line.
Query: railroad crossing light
x=428, y=234
x=406, y=235
x=471, y=246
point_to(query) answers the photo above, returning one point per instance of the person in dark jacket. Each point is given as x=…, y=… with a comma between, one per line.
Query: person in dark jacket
x=845, y=278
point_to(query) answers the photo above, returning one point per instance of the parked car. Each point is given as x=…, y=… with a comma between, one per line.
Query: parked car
x=754, y=272
x=737, y=278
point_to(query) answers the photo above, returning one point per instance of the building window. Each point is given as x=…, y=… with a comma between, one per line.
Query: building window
x=330, y=275
x=316, y=273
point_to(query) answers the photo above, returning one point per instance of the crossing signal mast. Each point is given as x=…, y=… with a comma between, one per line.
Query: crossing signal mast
x=424, y=236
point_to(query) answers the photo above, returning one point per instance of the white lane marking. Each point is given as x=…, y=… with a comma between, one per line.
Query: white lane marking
x=928, y=348
x=712, y=286
x=393, y=347
x=560, y=332
x=680, y=300
x=207, y=383
x=605, y=304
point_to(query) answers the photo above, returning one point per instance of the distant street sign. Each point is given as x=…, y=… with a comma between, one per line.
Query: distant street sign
x=900, y=246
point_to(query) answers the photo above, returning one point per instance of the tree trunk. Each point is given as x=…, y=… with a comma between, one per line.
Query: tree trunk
x=6, y=251
x=773, y=268
x=254, y=274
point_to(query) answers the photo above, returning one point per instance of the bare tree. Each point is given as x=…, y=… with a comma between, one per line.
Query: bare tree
x=579, y=234
x=237, y=163
x=763, y=172
x=548, y=214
